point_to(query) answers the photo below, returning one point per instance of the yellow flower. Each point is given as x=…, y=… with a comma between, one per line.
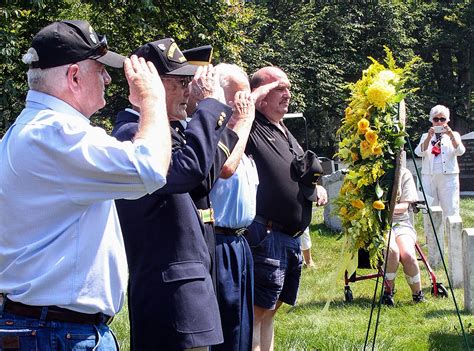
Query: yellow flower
x=365, y=149
x=343, y=212
x=363, y=126
x=380, y=92
x=377, y=149
x=378, y=205
x=355, y=156
x=358, y=203
x=371, y=136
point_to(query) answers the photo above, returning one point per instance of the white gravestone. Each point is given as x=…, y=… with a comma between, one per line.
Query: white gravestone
x=434, y=255
x=454, y=232
x=332, y=183
x=468, y=259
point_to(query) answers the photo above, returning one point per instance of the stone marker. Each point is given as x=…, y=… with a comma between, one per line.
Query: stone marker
x=434, y=256
x=332, y=183
x=466, y=164
x=454, y=232
x=468, y=258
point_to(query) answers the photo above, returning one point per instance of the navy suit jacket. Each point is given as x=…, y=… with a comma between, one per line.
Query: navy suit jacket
x=200, y=194
x=172, y=303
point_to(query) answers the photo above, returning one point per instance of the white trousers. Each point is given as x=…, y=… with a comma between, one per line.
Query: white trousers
x=444, y=189
x=305, y=240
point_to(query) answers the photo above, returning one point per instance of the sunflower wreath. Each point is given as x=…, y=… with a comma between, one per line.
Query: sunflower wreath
x=372, y=136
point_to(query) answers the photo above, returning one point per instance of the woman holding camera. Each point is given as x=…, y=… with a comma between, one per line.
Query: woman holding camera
x=439, y=149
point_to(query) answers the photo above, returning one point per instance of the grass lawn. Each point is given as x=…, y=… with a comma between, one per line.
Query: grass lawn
x=433, y=325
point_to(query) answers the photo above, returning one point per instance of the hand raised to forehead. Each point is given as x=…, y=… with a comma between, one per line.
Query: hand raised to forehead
x=202, y=85
x=243, y=104
x=260, y=93
x=143, y=81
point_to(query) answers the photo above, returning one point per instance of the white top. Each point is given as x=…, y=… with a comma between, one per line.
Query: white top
x=406, y=193
x=448, y=156
x=60, y=238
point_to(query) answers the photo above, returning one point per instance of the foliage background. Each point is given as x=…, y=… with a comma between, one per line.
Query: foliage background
x=322, y=45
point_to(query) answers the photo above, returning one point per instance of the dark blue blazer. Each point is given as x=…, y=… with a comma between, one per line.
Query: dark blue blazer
x=172, y=303
x=200, y=194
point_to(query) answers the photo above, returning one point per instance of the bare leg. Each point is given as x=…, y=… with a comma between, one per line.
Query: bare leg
x=308, y=260
x=392, y=262
x=409, y=260
x=263, y=336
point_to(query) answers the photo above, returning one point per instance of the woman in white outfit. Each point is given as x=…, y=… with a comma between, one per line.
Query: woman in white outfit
x=439, y=149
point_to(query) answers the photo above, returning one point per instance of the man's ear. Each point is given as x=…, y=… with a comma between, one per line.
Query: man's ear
x=73, y=77
x=261, y=104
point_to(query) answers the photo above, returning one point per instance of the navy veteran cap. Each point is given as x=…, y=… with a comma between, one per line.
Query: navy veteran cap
x=65, y=42
x=199, y=56
x=306, y=170
x=167, y=58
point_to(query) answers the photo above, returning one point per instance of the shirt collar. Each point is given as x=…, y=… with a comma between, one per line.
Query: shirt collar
x=39, y=100
x=261, y=117
x=131, y=110
x=265, y=121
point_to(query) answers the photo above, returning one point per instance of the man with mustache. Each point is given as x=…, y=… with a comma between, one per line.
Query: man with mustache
x=284, y=206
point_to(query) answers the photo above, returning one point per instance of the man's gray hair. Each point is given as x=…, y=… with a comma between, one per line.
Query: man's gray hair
x=224, y=74
x=45, y=80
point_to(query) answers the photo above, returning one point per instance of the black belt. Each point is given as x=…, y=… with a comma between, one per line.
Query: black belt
x=55, y=313
x=230, y=231
x=272, y=225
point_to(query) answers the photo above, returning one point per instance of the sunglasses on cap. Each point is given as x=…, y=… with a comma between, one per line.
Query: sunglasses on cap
x=436, y=119
x=182, y=80
x=100, y=49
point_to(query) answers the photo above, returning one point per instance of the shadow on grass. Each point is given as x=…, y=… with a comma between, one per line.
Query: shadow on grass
x=450, y=341
x=337, y=304
x=323, y=230
x=445, y=312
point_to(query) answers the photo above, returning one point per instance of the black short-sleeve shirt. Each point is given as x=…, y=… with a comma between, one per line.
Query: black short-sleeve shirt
x=278, y=196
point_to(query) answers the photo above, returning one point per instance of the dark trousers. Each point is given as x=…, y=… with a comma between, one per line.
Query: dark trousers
x=235, y=292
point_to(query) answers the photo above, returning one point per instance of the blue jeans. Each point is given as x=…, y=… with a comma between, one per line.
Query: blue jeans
x=24, y=333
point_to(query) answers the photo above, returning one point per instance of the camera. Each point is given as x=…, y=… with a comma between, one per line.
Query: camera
x=439, y=129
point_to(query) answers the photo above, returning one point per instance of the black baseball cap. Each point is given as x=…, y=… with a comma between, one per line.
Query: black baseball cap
x=65, y=42
x=306, y=170
x=199, y=56
x=167, y=58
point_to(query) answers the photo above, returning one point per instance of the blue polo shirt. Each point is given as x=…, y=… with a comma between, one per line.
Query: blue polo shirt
x=234, y=199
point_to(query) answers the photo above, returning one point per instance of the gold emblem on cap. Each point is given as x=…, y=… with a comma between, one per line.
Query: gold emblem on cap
x=171, y=52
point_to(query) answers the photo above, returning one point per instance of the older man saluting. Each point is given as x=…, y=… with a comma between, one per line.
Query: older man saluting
x=172, y=302
x=284, y=199
x=63, y=270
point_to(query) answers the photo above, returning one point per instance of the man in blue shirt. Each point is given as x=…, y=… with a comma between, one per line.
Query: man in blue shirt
x=234, y=200
x=63, y=268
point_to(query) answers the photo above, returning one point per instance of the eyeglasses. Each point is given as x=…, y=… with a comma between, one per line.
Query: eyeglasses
x=182, y=80
x=100, y=49
x=436, y=119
